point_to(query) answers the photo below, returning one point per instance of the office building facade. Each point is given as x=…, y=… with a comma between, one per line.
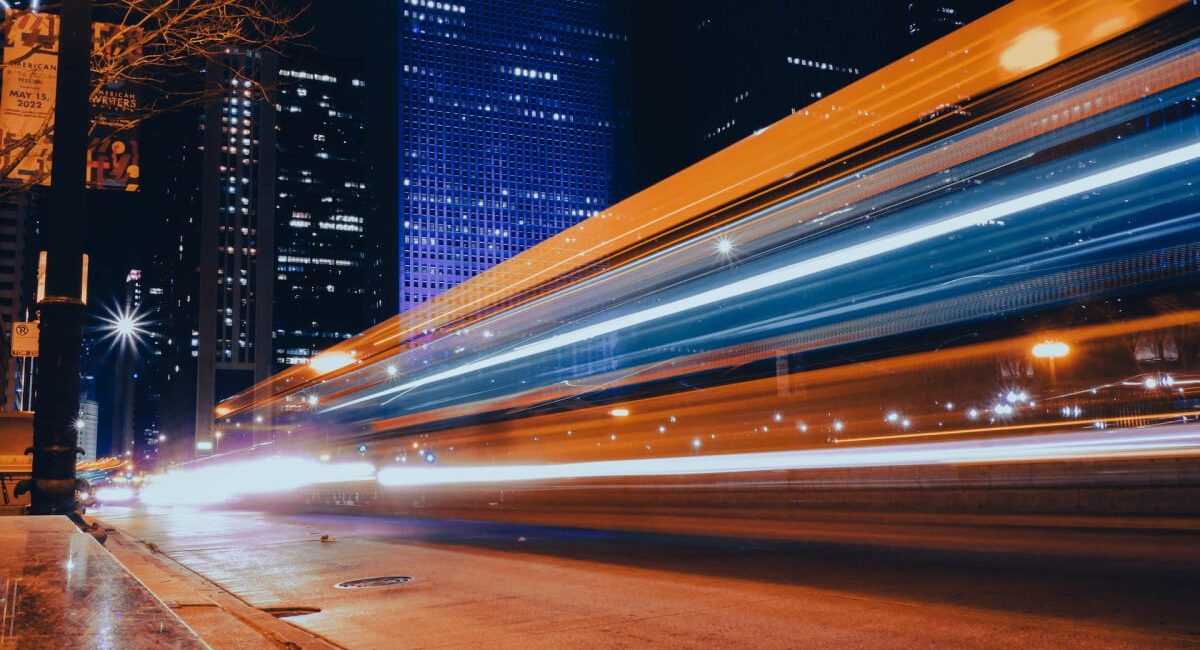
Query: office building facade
x=237, y=224
x=324, y=236
x=215, y=267
x=511, y=125
x=276, y=262
x=14, y=371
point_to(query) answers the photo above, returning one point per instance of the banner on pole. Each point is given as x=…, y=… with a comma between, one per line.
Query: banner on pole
x=27, y=95
x=113, y=160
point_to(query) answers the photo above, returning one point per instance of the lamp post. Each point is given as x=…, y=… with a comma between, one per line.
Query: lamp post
x=56, y=391
x=1051, y=350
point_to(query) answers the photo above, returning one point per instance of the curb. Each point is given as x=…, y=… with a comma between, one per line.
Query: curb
x=220, y=619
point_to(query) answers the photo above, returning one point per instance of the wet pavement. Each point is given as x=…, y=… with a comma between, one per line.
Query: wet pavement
x=516, y=586
x=62, y=589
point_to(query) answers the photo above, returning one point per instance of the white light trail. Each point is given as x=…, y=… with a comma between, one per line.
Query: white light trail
x=222, y=482
x=218, y=483
x=114, y=494
x=811, y=266
x=1067, y=446
x=330, y=361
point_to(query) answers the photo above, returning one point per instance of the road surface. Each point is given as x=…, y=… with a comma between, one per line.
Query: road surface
x=890, y=584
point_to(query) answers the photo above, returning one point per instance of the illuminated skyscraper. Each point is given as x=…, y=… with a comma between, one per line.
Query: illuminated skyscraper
x=216, y=267
x=268, y=251
x=511, y=125
x=236, y=235
x=324, y=236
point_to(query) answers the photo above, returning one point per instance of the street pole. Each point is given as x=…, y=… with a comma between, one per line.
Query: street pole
x=56, y=390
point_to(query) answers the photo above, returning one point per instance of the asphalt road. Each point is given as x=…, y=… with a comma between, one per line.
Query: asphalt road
x=892, y=583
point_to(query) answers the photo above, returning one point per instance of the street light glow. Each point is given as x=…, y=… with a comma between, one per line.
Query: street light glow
x=1051, y=350
x=126, y=326
x=724, y=245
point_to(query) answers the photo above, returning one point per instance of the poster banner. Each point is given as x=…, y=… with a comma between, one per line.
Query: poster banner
x=27, y=93
x=113, y=161
x=27, y=96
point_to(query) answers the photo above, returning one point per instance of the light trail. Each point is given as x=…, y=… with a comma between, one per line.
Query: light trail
x=219, y=483
x=821, y=263
x=282, y=475
x=1016, y=427
x=1182, y=440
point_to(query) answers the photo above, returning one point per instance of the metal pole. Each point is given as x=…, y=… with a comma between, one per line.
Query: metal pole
x=56, y=389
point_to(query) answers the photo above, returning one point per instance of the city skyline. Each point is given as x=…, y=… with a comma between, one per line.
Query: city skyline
x=600, y=324
x=479, y=216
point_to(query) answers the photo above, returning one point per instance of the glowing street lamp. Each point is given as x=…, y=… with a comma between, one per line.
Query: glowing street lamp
x=126, y=326
x=1051, y=350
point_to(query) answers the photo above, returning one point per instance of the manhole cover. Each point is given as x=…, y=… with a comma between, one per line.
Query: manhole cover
x=379, y=581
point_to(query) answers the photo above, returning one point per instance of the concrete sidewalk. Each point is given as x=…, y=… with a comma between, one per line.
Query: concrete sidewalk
x=61, y=589
x=224, y=621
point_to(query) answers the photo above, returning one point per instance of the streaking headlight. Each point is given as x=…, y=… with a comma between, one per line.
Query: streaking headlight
x=115, y=494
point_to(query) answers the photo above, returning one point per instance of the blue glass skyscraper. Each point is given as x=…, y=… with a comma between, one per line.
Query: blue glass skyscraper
x=510, y=122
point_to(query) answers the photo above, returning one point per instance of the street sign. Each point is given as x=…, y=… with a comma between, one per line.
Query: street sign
x=25, y=339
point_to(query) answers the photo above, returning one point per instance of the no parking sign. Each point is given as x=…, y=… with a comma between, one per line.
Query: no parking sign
x=25, y=339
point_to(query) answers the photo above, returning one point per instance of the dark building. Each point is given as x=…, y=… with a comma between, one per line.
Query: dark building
x=711, y=72
x=512, y=123
x=88, y=423
x=14, y=303
x=237, y=223
x=267, y=254
x=325, y=243
x=126, y=370
x=928, y=20
x=215, y=261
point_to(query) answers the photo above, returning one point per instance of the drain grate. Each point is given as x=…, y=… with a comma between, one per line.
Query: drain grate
x=378, y=581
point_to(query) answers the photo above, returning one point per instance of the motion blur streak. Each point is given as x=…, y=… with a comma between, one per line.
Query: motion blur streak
x=948, y=263
x=280, y=475
x=220, y=483
x=1092, y=446
x=827, y=262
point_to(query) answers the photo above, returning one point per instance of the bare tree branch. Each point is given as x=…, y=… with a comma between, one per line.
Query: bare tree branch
x=155, y=44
